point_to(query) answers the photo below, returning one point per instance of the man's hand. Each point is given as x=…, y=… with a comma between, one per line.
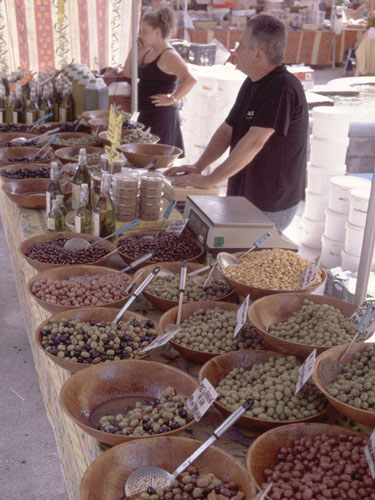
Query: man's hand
x=194, y=180
x=183, y=170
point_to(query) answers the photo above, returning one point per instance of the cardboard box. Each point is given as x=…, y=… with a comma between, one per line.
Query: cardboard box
x=305, y=75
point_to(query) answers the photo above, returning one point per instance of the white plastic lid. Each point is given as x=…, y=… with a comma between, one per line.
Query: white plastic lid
x=349, y=181
x=361, y=193
x=328, y=111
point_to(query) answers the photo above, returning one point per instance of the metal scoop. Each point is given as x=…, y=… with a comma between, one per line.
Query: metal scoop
x=24, y=140
x=166, y=215
x=81, y=244
x=225, y=259
x=44, y=147
x=155, y=477
x=181, y=292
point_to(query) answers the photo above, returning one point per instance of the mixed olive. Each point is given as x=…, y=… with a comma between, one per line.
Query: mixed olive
x=26, y=173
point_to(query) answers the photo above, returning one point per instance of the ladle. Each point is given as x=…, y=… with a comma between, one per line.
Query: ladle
x=166, y=215
x=181, y=292
x=225, y=259
x=44, y=147
x=24, y=141
x=156, y=477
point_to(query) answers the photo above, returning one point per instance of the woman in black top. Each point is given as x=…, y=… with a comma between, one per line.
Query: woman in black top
x=160, y=69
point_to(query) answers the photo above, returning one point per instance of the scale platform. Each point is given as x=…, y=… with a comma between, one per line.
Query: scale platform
x=231, y=224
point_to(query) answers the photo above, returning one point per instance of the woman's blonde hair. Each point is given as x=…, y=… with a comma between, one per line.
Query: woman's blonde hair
x=164, y=18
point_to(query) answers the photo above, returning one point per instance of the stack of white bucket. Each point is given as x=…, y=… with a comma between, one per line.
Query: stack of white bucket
x=328, y=145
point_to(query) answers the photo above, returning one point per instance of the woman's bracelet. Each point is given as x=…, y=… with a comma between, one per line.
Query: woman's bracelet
x=171, y=96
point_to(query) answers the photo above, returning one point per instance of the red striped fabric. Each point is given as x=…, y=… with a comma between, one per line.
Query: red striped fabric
x=102, y=20
x=44, y=34
x=84, y=31
x=23, y=45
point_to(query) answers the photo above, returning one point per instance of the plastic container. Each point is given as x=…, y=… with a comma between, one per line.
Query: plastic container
x=339, y=191
x=150, y=212
x=358, y=206
x=79, y=93
x=331, y=252
x=330, y=123
x=334, y=228
x=328, y=154
x=353, y=239
x=126, y=181
x=312, y=232
x=318, y=178
x=116, y=166
x=315, y=206
x=152, y=184
x=95, y=95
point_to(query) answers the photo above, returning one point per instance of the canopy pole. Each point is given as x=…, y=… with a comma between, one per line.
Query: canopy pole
x=134, y=83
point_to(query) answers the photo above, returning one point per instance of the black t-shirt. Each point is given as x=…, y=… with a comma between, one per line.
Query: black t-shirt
x=274, y=180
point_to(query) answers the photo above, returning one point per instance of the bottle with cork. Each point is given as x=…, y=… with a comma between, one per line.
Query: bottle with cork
x=104, y=219
x=56, y=218
x=54, y=187
x=82, y=176
x=83, y=217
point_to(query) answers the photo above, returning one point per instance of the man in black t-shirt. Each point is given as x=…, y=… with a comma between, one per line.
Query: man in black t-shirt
x=266, y=129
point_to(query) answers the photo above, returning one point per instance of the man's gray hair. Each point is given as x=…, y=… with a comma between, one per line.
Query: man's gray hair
x=268, y=34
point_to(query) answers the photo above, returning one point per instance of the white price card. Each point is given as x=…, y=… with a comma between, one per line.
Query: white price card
x=262, y=494
x=201, y=399
x=241, y=316
x=364, y=319
x=176, y=226
x=305, y=371
x=370, y=453
x=310, y=273
x=161, y=340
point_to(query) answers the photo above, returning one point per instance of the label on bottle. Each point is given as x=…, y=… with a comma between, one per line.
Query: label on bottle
x=62, y=114
x=41, y=113
x=29, y=117
x=76, y=196
x=48, y=203
x=51, y=223
x=15, y=116
x=1, y=116
x=77, y=223
x=96, y=218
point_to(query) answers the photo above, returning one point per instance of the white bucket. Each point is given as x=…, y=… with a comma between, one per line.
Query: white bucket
x=330, y=123
x=358, y=206
x=349, y=262
x=353, y=239
x=328, y=154
x=335, y=225
x=331, y=252
x=318, y=178
x=339, y=191
x=315, y=206
x=312, y=231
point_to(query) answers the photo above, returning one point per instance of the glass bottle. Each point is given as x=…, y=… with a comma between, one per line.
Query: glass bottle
x=83, y=217
x=63, y=208
x=54, y=187
x=81, y=176
x=19, y=109
x=45, y=106
x=2, y=105
x=64, y=106
x=55, y=218
x=10, y=107
x=104, y=212
x=32, y=109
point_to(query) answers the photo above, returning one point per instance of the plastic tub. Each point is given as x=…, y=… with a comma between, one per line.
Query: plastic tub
x=328, y=154
x=312, y=231
x=358, y=206
x=349, y=262
x=318, y=178
x=353, y=239
x=330, y=123
x=331, y=252
x=335, y=225
x=315, y=206
x=339, y=191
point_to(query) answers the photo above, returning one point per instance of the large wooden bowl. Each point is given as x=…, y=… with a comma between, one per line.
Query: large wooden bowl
x=73, y=135
x=358, y=415
x=31, y=193
x=7, y=154
x=106, y=477
x=63, y=127
x=263, y=452
x=217, y=368
x=103, y=136
x=6, y=137
x=67, y=272
x=129, y=260
x=96, y=314
x=270, y=310
x=42, y=266
x=66, y=155
x=101, y=383
x=26, y=166
x=141, y=154
x=188, y=309
x=101, y=124
x=160, y=302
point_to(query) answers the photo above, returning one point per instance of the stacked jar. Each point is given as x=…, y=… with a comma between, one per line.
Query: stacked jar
x=126, y=195
x=152, y=185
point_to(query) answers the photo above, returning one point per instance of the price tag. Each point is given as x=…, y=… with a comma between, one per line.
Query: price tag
x=262, y=494
x=310, y=273
x=176, y=226
x=161, y=340
x=305, y=371
x=370, y=453
x=241, y=316
x=364, y=319
x=201, y=399
x=114, y=135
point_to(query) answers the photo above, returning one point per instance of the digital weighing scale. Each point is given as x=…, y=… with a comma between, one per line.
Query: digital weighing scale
x=231, y=224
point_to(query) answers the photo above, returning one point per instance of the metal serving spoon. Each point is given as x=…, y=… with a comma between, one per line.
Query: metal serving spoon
x=24, y=140
x=225, y=259
x=181, y=292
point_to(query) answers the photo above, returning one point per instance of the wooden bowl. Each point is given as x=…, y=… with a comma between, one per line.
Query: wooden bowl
x=6, y=155
x=66, y=155
x=101, y=124
x=8, y=136
x=95, y=113
x=129, y=260
x=103, y=136
x=270, y=310
x=263, y=452
x=98, y=384
x=26, y=166
x=63, y=126
x=31, y=193
x=358, y=415
x=66, y=272
x=42, y=266
x=217, y=368
x=85, y=314
x=160, y=302
x=106, y=477
x=141, y=154
x=72, y=135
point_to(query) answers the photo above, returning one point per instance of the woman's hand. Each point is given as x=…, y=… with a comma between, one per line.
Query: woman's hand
x=183, y=170
x=194, y=180
x=162, y=100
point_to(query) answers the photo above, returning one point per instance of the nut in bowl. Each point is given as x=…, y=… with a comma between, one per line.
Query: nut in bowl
x=117, y=402
x=294, y=323
x=140, y=155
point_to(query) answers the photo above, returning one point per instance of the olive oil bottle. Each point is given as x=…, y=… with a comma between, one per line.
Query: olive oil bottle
x=83, y=217
x=63, y=208
x=32, y=109
x=56, y=219
x=104, y=219
x=81, y=176
x=54, y=187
